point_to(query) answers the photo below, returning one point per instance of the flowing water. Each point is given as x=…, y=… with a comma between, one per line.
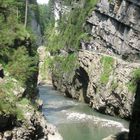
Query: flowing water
x=75, y=120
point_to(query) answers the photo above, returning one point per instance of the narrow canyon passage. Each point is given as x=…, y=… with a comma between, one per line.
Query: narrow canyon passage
x=75, y=120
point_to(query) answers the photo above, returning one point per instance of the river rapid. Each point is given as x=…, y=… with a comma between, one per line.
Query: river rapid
x=75, y=120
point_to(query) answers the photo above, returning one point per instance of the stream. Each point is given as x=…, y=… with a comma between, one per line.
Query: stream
x=75, y=120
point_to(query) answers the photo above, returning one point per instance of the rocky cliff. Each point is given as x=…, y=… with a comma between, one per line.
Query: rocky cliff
x=19, y=117
x=44, y=76
x=104, y=79
x=109, y=68
x=103, y=82
x=109, y=83
x=115, y=28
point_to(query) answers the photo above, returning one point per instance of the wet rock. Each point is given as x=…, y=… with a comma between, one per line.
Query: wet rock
x=113, y=96
x=7, y=135
x=39, y=103
x=34, y=127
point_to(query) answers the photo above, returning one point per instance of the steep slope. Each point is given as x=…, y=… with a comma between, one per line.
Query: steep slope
x=103, y=80
x=115, y=28
x=106, y=72
x=20, y=116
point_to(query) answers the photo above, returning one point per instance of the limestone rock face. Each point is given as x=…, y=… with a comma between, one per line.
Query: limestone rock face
x=44, y=76
x=113, y=96
x=115, y=27
x=115, y=32
x=106, y=90
x=35, y=128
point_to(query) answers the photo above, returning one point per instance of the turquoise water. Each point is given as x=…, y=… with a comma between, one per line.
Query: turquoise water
x=75, y=120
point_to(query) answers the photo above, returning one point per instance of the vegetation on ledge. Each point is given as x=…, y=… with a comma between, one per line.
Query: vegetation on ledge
x=70, y=29
x=132, y=85
x=107, y=64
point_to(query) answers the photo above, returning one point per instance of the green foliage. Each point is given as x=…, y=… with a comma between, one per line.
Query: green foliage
x=136, y=75
x=65, y=65
x=132, y=85
x=12, y=32
x=6, y=105
x=46, y=67
x=46, y=16
x=8, y=100
x=9, y=107
x=22, y=108
x=17, y=54
x=70, y=27
x=110, y=1
x=24, y=101
x=10, y=103
x=21, y=66
x=69, y=63
x=114, y=85
x=19, y=114
x=54, y=40
x=107, y=65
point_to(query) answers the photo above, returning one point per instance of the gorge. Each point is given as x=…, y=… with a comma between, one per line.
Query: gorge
x=105, y=72
x=81, y=58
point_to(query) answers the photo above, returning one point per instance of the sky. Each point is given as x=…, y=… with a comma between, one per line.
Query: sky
x=42, y=1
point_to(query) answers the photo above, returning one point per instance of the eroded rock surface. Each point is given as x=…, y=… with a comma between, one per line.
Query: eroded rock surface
x=115, y=28
x=34, y=128
x=105, y=88
x=44, y=76
x=22, y=120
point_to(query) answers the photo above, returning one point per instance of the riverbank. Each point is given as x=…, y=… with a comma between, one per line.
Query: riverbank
x=47, y=78
x=75, y=120
x=20, y=117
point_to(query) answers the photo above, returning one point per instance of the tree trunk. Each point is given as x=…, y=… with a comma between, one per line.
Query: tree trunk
x=26, y=13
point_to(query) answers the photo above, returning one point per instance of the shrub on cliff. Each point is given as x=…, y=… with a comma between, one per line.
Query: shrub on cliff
x=132, y=85
x=8, y=101
x=62, y=66
x=107, y=64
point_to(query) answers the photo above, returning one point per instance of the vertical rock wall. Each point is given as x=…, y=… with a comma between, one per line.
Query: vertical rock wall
x=115, y=28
